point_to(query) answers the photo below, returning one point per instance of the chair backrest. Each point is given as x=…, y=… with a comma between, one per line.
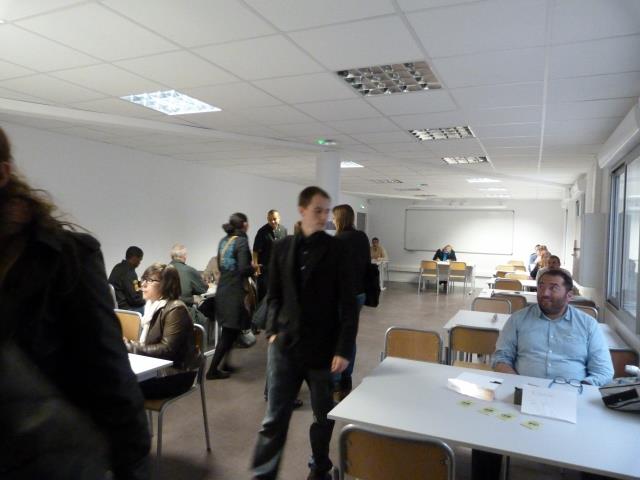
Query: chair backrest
x=508, y=284
x=113, y=296
x=430, y=266
x=588, y=310
x=501, y=274
x=584, y=302
x=481, y=341
x=413, y=344
x=493, y=305
x=458, y=267
x=372, y=455
x=130, y=322
x=517, y=276
x=516, y=263
x=505, y=268
x=518, y=302
x=520, y=268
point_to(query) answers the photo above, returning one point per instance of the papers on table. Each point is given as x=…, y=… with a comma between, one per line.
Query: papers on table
x=546, y=402
x=474, y=385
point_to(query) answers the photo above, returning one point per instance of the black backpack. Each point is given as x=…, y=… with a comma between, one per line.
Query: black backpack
x=372, y=285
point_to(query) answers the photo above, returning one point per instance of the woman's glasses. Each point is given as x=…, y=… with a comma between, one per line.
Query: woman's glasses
x=572, y=381
x=149, y=280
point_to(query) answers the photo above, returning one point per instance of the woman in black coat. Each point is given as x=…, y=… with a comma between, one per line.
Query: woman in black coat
x=445, y=253
x=234, y=262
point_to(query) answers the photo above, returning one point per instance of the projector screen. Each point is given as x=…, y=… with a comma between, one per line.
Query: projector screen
x=467, y=230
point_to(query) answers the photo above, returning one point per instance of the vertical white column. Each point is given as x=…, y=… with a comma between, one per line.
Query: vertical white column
x=328, y=174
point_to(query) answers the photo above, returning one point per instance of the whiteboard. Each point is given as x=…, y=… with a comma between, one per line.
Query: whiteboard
x=467, y=230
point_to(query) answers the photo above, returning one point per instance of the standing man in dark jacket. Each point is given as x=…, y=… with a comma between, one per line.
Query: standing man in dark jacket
x=262, y=246
x=56, y=309
x=125, y=282
x=311, y=326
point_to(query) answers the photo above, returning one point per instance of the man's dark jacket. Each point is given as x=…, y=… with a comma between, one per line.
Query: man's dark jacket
x=124, y=279
x=313, y=315
x=55, y=304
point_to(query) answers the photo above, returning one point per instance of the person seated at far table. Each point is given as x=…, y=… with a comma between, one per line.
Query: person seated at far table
x=542, y=262
x=552, y=340
x=124, y=279
x=377, y=251
x=553, y=263
x=167, y=332
x=445, y=254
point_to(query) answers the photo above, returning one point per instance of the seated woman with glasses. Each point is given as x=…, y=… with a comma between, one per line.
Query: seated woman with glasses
x=167, y=332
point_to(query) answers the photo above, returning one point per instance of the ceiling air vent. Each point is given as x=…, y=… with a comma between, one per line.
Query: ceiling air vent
x=392, y=78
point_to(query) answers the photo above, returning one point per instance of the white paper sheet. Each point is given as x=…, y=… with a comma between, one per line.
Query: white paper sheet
x=557, y=403
x=475, y=385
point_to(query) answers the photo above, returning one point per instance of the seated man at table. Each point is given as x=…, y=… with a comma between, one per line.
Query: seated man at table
x=377, y=251
x=549, y=340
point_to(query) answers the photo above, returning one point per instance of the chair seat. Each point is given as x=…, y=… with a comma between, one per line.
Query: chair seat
x=156, y=404
x=475, y=366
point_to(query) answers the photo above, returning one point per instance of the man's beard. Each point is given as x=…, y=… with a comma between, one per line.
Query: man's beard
x=557, y=306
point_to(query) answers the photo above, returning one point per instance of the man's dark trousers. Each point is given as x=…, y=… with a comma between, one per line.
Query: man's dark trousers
x=285, y=375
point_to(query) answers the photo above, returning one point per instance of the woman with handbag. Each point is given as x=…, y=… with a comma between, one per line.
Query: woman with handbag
x=232, y=302
x=167, y=332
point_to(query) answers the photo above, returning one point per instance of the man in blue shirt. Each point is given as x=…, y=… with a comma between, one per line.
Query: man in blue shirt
x=548, y=340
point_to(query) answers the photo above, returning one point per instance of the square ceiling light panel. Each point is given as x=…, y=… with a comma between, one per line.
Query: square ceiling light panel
x=170, y=102
x=349, y=164
x=464, y=160
x=446, y=133
x=392, y=78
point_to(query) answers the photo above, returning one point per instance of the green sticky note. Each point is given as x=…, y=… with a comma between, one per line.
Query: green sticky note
x=531, y=424
x=465, y=403
x=487, y=411
x=506, y=416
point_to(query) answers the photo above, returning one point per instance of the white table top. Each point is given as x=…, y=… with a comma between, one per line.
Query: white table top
x=525, y=283
x=409, y=396
x=530, y=296
x=146, y=367
x=470, y=318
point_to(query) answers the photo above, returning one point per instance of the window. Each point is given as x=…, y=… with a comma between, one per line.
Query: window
x=624, y=242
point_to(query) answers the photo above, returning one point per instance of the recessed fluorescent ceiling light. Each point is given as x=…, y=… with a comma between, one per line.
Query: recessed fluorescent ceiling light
x=463, y=160
x=483, y=180
x=170, y=102
x=493, y=189
x=446, y=133
x=498, y=195
x=392, y=78
x=350, y=165
x=385, y=180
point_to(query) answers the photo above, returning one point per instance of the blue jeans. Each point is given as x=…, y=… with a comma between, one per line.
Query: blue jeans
x=342, y=381
x=284, y=378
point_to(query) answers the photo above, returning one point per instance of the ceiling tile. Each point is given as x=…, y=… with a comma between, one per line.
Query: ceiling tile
x=97, y=31
x=481, y=26
x=10, y=70
x=598, y=128
x=618, y=85
x=520, y=94
x=576, y=20
x=411, y=5
x=360, y=44
x=307, y=88
x=511, y=130
x=498, y=116
x=109, y=79
x=611, y=55
x=23, y=97
x=116, y=106
x=533, y=141
x=430, y=120
x=616, y=107
x=14, y=10
x=36, y=122
x=177, y=70
x=512, y=66
x=298, y=14
x=366, y=125
x=339, y=110
x=265, y=57
x=201, y=22
x=36, y=52
x=413, y=102
x=277, y=115
x=384, y=137
x=316, y=130
x=464, y=146
x=50, y=89
x=523, y=150
x=233, y=96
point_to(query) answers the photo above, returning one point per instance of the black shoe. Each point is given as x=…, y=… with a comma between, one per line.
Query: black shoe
x=228, y=368
x=217, y=374
x=297, y=403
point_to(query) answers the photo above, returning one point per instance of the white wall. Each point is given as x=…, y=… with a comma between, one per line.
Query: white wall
x=540, y=221
x=128, y=197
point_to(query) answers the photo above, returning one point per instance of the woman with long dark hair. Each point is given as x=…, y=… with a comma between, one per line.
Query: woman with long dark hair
x=234, y=262
x=357, y=243
x=167, y=332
